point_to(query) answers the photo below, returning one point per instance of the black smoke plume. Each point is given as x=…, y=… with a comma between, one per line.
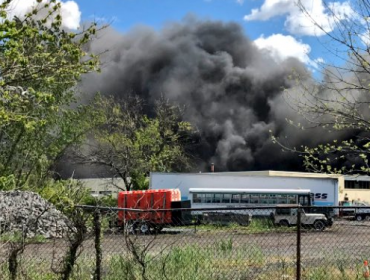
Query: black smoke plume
x=232, y=91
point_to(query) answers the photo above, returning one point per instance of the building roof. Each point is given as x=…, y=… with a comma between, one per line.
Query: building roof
x=273, y=173
x=357, y=178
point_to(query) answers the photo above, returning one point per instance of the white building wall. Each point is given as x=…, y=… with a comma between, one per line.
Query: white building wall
x=100, y=187
x=185, y=181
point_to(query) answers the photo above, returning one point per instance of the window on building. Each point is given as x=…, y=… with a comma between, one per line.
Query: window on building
x=357, y=185
x=105, y=192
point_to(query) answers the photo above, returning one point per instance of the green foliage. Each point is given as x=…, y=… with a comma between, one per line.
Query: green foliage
x=40, y=64
x=108, y=201
x=348, y=156
x=339, y=103
x=131, y=144
x=226, y=245
x=139, y=181
x=64, y=194
x=201, y=262
x=338, y=157
x=16, y=237
x=7, y=182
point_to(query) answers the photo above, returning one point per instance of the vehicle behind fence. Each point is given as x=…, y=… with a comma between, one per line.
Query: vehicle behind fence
x=289, y=242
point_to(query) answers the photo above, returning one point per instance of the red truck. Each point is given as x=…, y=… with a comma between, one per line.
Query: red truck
x=151, y=200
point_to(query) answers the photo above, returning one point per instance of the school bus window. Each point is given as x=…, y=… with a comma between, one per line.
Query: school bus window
x=255, y=199
x=218, y=198
x=235, y=198
x=197, y=198
x=264, y=199
x=281, y=199
x=209, y=197
x=245, y=198
x=292, y=199
x=226, y=198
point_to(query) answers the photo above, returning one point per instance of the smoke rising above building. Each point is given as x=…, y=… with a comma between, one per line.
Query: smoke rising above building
x=232, y=91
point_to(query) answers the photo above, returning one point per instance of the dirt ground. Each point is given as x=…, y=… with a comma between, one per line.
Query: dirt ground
x=345, y=237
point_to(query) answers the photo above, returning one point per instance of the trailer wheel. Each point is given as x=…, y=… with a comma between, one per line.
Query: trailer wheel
x=157, y=229
x=144, y=228
x=131, y=228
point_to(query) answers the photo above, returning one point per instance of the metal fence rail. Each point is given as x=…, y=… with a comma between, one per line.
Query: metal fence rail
x=223, y=243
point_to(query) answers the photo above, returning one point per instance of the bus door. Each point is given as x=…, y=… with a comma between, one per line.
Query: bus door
x=304, y=200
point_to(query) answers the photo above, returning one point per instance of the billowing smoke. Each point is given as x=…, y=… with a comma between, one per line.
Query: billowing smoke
x=232, y=91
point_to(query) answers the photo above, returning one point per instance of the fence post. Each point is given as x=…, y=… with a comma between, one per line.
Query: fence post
x=299, y=210
x=98, y=252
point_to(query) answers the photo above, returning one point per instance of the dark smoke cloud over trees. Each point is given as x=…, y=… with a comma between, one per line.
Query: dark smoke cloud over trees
x=232, y=92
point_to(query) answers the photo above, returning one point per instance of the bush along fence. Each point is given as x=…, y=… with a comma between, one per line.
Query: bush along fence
x=286, y=242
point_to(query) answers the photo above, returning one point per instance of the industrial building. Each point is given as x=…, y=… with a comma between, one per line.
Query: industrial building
x=100, y=187
x=356, y=187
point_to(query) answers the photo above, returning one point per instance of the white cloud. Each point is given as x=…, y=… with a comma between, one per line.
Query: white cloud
x=365, y=38
x=319, y=60
x=241, y=2
x=269, y=9
x=298, y=22
x=281, y=47
x=70, y=12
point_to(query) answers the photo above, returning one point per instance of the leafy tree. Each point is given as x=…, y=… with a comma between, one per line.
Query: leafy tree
x=340, y=103
x=40, y=63
x=131, y=144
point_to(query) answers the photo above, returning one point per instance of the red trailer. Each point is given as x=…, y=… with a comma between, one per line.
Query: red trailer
x=147, y=200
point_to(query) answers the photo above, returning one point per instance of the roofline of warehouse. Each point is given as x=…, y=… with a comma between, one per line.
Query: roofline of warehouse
x=264, y=173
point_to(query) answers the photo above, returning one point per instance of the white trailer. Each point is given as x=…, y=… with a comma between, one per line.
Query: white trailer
x=325, y=190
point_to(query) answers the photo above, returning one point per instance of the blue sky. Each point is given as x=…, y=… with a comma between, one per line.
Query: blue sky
x=276, y=22
x=155, y=13
x=277, y=26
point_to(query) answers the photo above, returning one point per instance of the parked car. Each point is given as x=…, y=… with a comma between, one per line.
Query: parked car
x=359, y=213
x=284, y=216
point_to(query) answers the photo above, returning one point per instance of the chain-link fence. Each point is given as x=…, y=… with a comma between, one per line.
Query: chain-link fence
x=239, y=243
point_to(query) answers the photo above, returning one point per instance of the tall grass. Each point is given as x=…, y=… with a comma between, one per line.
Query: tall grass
x=222, y=260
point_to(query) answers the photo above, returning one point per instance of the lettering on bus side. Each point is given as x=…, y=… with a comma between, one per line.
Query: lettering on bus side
x=321, y=196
